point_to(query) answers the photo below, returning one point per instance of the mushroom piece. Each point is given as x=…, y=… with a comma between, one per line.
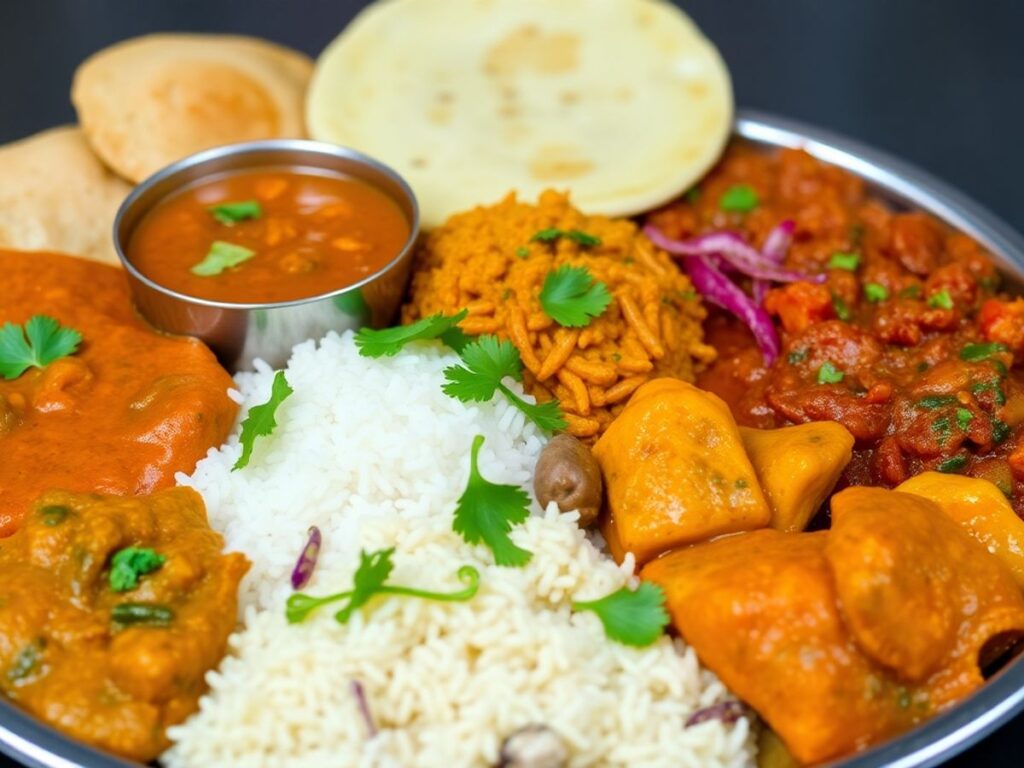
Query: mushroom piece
x=533, y=746
x=568, y=475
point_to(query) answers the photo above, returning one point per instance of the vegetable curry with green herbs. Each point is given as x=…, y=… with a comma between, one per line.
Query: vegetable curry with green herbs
x=112, y=609
x=268, y=235
x=908, y=342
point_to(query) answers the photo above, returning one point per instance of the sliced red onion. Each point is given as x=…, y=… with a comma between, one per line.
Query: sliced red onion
x=303, y=570
x=364, y=708
x=758, y=290
x=726, y=711
x=718, y=288
x=778, y=241
x=733, y=249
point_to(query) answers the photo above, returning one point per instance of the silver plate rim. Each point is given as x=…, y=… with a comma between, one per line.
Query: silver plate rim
x=36, y=745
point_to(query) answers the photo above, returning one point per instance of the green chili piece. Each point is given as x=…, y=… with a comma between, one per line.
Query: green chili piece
x=145, y=614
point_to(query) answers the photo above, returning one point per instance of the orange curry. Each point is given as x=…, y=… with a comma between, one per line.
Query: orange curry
x=108, y=659
x=123, y=414
x=268, y=235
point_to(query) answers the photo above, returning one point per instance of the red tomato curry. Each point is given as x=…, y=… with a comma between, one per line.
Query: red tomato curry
x=123, y=414
x=909, y=344
x=268, y=235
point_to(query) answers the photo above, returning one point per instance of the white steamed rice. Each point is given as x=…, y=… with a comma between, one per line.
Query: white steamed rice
x=373, y=453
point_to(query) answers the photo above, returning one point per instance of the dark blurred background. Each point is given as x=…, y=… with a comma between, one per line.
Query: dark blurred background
x=939, y=83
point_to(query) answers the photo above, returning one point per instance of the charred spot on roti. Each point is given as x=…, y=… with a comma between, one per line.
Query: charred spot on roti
x=529, y=49
x=558, y=162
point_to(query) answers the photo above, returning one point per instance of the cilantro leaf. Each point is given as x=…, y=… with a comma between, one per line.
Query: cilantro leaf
x=829, y=374
x=230, y=214
x=260, y=421
x=389, y=341
x=847, y=261
x=221, y=256
x=572, y=298
x=632, y=617
x=941, y=300
x=39, y=343
x=487, y=511
x=369, y=580
x=551, y=234
x=131, y=563
x=486, y=362
x=739, y=198
x=875, y=292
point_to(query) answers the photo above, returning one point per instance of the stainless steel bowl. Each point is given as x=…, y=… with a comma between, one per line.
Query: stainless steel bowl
x=240, y=332
x=1002, y=697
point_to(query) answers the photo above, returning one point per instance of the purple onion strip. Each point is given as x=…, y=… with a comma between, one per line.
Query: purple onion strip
x=364, y=708
x=778, y=241
x=733, y=249
x=303, y=570
x=719, y=289
x=726, y=711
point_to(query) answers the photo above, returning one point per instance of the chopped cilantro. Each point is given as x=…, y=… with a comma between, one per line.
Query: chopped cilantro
x=874, y=292
x=35, y=345
x=797, y=356
x=942, y=429
x=932, y=402
x=54, y=514
x=131, y=563
x=230, y=214
x=486, y=513
x=486, y=361
x=368, y=581
x=27, y=660
x=841, y=308
x=974, y=353
x=964, y=418
x=952, y=464
x=990, y=386
x=739, y=198
x=389, y=341
x=551, y=234
x=522, y=252
x=940, y=300
x=260, y=421
x=847, y=261
x=221, y=256
x=829, y=374
x=572, y=298
x=1000, y=431
x=632, y=617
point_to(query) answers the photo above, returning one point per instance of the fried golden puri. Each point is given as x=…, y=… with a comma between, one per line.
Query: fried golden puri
x=64, y=657
x=679, y=471
x=842, y=638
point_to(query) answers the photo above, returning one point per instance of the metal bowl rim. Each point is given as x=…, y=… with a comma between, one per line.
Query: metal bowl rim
x=256, y=148
x=24, y=738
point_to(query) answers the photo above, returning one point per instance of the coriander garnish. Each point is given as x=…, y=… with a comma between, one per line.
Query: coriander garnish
x=486, y=513
x=221, y=256
x=486, y=362
x=632, y=617
x=829, y=374
x=551, y=234
x=35, y=345
x=739, y=198
x=230, y=214
x=875, y=292
x=130, y=564
x=389, y=341
x=260, y=421
x=368, y=581
x=940, y=300
x=572, y=298
x=847, y=261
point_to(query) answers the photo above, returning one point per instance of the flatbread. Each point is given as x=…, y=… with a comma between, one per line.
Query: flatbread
x=623, y=103
x=55, y=195
x=149, y=101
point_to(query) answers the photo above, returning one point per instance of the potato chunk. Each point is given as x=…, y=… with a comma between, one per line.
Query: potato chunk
x=981, y=508
x=676, y=472
x=843, y=638
x=798, y=467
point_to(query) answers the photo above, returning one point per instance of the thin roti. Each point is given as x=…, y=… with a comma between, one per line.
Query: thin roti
x=55, y=195
x=624, y=103
x=149, y=101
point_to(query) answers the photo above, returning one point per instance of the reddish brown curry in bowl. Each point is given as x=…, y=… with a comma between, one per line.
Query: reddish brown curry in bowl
x=268, y=235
